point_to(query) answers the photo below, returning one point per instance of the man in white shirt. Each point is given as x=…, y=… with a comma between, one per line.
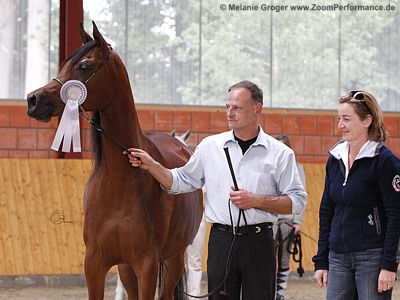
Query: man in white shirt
x=240, y=259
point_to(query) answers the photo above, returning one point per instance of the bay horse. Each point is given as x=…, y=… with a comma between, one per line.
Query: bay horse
x=119, y=289
x=129, y=220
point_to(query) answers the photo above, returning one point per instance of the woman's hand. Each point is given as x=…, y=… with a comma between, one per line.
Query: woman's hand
x=386, y=280
x=321, y=278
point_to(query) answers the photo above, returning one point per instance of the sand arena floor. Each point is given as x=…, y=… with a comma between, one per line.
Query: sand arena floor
x=298, y=289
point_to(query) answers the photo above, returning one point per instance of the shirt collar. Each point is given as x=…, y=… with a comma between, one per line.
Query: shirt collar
x=260, y=141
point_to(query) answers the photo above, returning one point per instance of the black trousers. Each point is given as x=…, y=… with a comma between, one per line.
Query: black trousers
x=252, y=270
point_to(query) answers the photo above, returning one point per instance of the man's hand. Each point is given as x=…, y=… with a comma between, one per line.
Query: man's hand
x=243, y=199
x=140, y=158
x=321, y=278
x=274, y=204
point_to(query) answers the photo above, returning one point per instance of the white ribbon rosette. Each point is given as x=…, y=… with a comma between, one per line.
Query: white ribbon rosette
x=73, y=93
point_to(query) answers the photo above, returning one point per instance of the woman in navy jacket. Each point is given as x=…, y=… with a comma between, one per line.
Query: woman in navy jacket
x=360, y=208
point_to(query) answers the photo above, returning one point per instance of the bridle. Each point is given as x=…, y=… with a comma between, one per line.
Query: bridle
x=91, y=75
x=86, y=116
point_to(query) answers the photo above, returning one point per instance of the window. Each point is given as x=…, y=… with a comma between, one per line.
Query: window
x=28, y=46
x=190, y=51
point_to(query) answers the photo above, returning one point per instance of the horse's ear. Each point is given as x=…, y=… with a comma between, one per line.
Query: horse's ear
x=100, y=41
x=85, y=37
x=172, y=133
x=186, y=135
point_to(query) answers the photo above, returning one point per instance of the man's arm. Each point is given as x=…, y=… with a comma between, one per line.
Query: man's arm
x=141, y=159
x=275, y=204
x=293, y=196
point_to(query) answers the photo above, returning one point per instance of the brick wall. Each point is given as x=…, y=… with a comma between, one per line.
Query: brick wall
x=312, y=132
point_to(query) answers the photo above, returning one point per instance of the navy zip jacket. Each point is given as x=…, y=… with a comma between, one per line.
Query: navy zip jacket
x=360, y=211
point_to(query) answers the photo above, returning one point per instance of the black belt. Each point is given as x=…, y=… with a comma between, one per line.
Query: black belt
x=252, y=229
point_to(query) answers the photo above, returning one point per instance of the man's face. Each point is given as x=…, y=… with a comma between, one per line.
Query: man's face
x=241, y=111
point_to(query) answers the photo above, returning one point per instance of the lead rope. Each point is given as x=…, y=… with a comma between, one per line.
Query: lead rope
x=108, y=135
x=297, y=248
x=294, y=240
x=241, y=212
x=100, y=129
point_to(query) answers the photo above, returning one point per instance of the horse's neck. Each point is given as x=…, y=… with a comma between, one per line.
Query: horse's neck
x=121, y=122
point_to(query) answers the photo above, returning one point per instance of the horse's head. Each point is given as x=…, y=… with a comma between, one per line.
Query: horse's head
x=182, y=138
x=91, y=64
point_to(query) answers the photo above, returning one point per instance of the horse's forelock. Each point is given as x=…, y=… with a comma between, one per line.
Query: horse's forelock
x=78, y=53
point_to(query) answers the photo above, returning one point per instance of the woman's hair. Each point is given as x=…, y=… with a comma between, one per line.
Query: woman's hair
x=365, y=105
x=285, y=139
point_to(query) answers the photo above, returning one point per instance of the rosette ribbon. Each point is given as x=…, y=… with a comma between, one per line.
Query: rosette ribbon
x=73, y=93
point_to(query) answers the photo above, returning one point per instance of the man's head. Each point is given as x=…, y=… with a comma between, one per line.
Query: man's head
x=255, y=91
x=244, y=106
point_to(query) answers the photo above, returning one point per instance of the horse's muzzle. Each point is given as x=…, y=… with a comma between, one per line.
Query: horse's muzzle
x=31, y=103
x=41, y=110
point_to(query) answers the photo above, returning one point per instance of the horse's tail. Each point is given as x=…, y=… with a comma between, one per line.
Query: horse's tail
x=179, y=290
x=160, y=276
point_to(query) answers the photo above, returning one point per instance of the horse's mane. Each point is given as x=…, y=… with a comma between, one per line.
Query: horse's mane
x=78, y=53
x=96, y=140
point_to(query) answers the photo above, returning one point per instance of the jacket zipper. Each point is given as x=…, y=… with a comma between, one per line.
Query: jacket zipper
x=377, y=221
x=343, y=171
x=344, y=241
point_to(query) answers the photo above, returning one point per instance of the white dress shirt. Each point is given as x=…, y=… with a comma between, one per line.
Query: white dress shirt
x=297, y=219
x=268, y=167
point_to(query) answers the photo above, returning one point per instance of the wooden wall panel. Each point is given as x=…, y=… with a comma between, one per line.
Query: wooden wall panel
x=41, y=216
x=32, y=191
x=315, y=178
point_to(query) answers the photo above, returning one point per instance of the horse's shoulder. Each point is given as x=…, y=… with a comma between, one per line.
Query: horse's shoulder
x=171, y=151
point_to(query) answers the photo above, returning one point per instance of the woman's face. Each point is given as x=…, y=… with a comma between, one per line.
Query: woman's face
x=351, y=127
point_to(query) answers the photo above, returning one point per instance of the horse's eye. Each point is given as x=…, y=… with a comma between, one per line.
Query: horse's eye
x=84, y=66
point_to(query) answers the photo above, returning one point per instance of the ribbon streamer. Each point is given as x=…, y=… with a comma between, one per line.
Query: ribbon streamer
x=73, y=93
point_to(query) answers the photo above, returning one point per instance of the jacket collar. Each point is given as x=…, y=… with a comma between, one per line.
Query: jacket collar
x=370, y=149
x=341, y=152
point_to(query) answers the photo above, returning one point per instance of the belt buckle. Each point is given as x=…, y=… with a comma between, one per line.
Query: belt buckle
x=258, y=229
x=235, y=231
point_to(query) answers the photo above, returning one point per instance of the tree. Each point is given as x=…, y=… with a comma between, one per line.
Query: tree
x=37, y=50
x=7, y=33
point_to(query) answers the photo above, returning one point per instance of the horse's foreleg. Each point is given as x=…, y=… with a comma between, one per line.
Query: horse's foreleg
x=146, y=271
x=95, y=272
x=173, y=272
x=129, y=281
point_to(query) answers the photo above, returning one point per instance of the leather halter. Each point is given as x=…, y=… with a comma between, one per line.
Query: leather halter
x=90, y=77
